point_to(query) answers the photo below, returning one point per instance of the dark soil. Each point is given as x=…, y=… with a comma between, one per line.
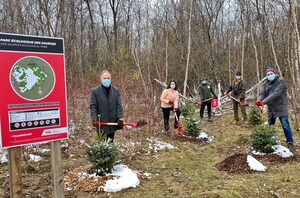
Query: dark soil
x=238, y=163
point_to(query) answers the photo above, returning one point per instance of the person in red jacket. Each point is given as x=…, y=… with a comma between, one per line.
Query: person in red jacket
x=169, y=102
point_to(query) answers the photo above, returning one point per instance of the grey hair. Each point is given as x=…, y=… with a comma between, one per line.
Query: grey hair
x=104, y=71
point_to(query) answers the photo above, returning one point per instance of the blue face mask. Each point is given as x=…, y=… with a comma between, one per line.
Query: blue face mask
x=106, y=82
x=172, y=86
x=238, y=77
x=271, y=78
x=204, y=82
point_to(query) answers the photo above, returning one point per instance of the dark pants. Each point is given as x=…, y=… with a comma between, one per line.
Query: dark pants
x=284, y=120
x=208, y=104
x=236, y=110
x=166, y=112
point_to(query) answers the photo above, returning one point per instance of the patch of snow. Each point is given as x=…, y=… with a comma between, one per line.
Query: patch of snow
x=127, y=179
x=35, y=158
x=282, y=151
x=204, y=135
x=254, y=164
x=158, y=145
x=148, y=175
x=3, y=157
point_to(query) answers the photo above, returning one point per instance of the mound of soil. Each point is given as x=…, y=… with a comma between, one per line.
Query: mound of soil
x=238, y=163
x=235, y=164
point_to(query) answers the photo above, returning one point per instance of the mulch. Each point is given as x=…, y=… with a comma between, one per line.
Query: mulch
x=238, y=163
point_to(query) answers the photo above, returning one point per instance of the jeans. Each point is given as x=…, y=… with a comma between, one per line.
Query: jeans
x=166, y=112
x=284, y=120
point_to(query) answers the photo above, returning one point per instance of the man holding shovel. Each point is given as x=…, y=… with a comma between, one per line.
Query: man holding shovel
x=274, y=94
x=238, y=91
x=206, y=94
x=106, y=106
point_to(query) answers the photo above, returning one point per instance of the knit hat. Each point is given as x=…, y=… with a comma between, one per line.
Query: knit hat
x=270, y=69
x=238, y=73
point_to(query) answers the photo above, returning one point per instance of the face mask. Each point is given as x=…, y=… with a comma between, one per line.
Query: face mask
x=106, y=82
x=238, y=77
x=172, y=86
x=271, y=78
x=204, y=82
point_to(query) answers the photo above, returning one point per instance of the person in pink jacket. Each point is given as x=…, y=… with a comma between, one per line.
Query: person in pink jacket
x=169, y=102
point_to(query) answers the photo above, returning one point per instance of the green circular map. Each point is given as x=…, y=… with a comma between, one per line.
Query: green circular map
x=32, y=78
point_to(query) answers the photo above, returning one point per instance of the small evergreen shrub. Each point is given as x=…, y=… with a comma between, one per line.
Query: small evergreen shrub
x=264, y=138
x=188, y=109
x=255, y=117
x=103, y=155
x=192, y=123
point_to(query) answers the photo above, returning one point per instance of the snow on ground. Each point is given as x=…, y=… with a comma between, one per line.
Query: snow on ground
x=204, y=135
x=255, y=164
x=3, y=156
x=158, y=145
x=35, y=158
x=282, y=151
x=127, y=179
x=279, y=150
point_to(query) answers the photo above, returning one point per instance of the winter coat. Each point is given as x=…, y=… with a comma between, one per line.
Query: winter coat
x=274, y=94
x=167, y=96
x=237, y=89
x=206, y=91
x=109, y=107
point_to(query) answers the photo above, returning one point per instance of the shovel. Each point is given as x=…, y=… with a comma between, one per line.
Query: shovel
x=138, y=124
x=240, y=103
x=200, y=102
x=181, y=132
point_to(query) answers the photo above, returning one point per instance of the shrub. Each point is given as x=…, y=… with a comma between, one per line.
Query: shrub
x=103, y=155
x=264, y=138
x=255, y=117
x=188, y=109
x=192, y=123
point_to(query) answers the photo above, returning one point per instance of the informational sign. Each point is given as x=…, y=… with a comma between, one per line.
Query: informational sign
x=33, y=100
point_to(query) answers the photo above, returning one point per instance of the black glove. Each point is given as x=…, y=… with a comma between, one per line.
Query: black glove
x=95, y=123
x=171, y=102
x=120, y=124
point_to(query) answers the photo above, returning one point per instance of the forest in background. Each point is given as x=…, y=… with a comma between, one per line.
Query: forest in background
x=182, y=40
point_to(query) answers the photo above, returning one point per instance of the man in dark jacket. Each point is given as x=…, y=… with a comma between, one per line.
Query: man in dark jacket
x=106, y=105
x=238, y=91
x=206, y=94
x=274, y=94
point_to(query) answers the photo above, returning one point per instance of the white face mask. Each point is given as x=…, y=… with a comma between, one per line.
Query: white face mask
x=238, y=77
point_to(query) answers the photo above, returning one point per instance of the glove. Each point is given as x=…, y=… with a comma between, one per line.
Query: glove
x=259, y=103
x=171, y=102
x=120, y=124
x=95, y=123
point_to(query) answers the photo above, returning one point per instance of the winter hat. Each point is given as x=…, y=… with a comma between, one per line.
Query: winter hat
x=238, y=73
x=270, y=69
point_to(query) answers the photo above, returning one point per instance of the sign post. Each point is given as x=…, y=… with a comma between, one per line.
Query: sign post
x=33, y=102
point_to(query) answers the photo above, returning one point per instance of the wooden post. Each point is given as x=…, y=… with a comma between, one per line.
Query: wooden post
x=56, y=167
x=15, y=174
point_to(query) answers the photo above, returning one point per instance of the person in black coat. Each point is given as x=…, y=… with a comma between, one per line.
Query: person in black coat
x=106, y=105
x=274, y=94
